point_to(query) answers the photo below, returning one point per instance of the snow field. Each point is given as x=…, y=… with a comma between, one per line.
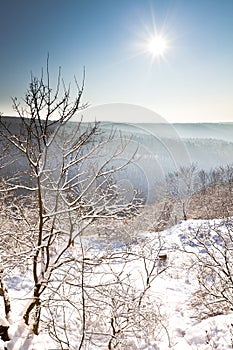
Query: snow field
x=168, y=320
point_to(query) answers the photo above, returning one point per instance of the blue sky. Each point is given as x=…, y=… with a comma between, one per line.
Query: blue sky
x=193, y=82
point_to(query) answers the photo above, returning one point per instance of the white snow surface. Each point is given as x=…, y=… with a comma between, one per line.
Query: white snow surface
x=171, y=291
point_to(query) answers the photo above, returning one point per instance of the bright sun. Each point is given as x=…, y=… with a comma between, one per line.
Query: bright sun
x=157, y=45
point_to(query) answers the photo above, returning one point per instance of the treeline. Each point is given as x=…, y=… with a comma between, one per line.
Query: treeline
x=198, y=193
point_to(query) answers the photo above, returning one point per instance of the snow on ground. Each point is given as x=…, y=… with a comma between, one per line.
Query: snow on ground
x=176, y=290
x=171, y=291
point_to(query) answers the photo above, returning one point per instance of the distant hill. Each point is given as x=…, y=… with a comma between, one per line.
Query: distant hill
x=206, y=144
x=217, y=131
x=162, y=147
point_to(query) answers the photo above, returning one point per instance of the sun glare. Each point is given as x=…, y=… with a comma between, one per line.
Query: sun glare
x=157, y=45
x=154, y=42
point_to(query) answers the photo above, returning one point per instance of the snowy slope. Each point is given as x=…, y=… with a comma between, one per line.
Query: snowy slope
x=171, y=293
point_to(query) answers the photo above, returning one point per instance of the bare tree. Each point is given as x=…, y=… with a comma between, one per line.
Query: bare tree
x=107, y=301
x=72, y=171
x=213, y=267
x=180, y=185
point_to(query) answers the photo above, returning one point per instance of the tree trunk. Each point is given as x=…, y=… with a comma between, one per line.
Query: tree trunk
x=35, y=306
